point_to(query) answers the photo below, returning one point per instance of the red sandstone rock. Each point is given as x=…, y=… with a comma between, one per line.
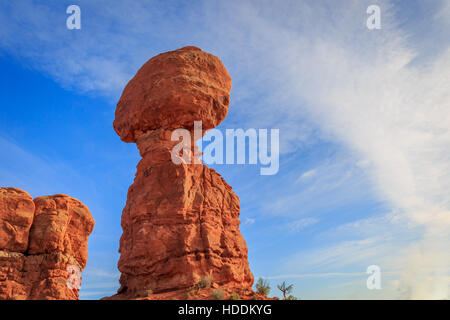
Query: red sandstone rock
x=172, y=90
x=200, y=294
x=61, y=224
x=181, y=222
x=57, y=239
x=16, y=216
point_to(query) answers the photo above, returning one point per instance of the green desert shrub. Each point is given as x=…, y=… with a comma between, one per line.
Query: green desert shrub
x=235, y=296
x=286, y=289
x=144, y=293
x=204, y=282
x=262, y=286
x=218, y=294
x=148, y=292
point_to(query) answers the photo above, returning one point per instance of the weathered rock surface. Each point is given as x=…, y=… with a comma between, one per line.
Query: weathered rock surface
x=181, y=222
x=39, y=241
x=16, y=217
x=61, y=224
x=171, y=90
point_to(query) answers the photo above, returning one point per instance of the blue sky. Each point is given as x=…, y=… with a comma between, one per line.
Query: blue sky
x=363, y=116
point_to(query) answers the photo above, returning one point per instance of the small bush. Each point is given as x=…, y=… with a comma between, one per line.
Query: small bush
x=149, y=292
x=235, y=296
x=144, y=293
x=218, y=294
x=262, y=286
x=290, y=297
x=205, y=282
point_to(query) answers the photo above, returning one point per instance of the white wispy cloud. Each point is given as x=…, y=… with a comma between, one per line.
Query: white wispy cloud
x=249, y=221
x=335, y=181
x=297, y=225
x=366, y=90
x=306, y=175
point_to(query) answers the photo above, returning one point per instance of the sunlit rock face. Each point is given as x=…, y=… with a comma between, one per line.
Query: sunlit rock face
x=43, y=245
x=180, y=222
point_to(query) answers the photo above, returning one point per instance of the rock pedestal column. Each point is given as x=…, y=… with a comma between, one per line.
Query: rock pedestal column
x=181, y=221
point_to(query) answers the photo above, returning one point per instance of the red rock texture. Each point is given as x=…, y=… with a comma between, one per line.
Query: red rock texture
x=172, y=90
x=180, y=222
x=16, y=217
x=39, y=240
x=201, y=294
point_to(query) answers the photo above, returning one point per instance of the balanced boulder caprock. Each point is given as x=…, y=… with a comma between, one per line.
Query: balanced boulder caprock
x=181, y=221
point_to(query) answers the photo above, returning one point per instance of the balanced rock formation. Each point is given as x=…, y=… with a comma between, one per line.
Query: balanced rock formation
x=181, y=221
x=43, y=245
